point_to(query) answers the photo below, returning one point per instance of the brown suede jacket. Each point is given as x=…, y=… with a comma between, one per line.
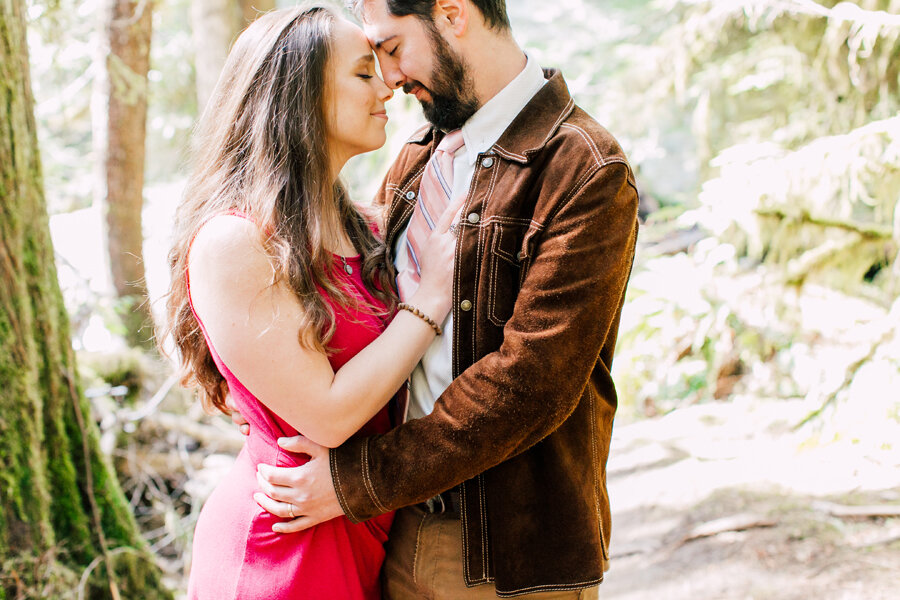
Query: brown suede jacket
x=545, y=251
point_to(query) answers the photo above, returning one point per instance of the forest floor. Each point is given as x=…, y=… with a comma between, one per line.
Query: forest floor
x=728, y=501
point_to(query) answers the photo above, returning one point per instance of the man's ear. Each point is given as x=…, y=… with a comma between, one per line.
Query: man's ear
x=452, y=15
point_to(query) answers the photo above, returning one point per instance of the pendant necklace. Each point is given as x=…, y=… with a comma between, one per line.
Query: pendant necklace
x=347, y=267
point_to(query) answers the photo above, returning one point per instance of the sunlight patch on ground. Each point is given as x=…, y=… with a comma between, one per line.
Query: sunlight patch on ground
x=680, y=459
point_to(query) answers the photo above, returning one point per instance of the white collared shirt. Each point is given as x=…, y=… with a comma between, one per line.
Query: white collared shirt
x=434, y=373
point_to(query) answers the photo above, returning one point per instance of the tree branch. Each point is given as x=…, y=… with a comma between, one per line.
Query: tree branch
x=867, y=230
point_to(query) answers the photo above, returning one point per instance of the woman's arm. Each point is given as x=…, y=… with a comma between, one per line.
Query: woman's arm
x=254, y=328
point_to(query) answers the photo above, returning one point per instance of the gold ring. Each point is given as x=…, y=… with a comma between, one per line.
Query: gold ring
x=291, y=510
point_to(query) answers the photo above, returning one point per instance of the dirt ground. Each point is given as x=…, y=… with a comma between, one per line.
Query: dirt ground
x=728, y=501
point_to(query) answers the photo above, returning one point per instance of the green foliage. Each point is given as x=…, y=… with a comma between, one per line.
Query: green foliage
x=793, y=106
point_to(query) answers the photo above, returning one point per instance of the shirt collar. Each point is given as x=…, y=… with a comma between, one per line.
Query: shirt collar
x=486, y=126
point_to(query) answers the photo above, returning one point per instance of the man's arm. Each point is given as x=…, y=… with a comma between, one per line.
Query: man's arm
x=514, y=397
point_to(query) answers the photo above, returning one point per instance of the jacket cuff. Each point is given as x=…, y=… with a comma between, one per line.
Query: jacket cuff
x=352, y=482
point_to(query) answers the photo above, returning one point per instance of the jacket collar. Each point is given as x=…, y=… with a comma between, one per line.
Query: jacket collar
x=531, y=129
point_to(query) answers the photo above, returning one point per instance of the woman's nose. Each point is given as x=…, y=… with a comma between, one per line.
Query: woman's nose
x=385, y=93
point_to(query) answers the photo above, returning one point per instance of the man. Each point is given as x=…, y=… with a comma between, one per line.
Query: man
x=502, y=463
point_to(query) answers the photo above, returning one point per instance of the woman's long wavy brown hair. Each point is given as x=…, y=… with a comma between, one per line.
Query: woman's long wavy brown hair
x=260, y=149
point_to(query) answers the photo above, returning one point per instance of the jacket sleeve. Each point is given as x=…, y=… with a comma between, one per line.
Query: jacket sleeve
x=514, y=397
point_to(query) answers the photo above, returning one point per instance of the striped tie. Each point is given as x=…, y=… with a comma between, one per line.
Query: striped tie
x=434, y=197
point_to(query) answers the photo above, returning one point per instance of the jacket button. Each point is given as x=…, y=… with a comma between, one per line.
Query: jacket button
x=410, y=195
x=487, y=163
x=465, y=305
x=520, y=255
x=473, y=218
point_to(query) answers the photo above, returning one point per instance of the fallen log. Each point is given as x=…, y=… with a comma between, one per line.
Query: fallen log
x=739, y=522
x=872, y=511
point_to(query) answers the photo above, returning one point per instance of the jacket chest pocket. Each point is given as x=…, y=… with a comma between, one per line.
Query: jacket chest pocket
x=506, y=263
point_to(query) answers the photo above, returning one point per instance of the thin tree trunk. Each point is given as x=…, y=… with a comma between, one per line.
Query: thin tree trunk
x=215, y=25
x=251, y=9
x=61, y=508
x=128, y=27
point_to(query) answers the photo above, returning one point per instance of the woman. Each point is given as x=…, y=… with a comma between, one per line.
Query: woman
x=281, y=296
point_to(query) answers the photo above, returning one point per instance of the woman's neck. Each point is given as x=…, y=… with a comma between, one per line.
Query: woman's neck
x=337, y=241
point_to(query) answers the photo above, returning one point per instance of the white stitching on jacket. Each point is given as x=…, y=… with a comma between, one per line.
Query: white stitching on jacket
x=341, y=498
x=595, y=151
x=367, y=478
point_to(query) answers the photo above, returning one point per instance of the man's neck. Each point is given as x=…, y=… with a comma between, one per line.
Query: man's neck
x=496, y=62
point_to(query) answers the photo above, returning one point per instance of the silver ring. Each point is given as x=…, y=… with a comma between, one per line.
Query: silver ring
x=454, y=229
x=291, y=510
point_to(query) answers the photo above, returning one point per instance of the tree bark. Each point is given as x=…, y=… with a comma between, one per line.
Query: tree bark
x=128, y=29
x=61, y=506
x=215, y=25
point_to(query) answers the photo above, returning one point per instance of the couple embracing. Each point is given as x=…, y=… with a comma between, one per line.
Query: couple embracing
x=426, y=381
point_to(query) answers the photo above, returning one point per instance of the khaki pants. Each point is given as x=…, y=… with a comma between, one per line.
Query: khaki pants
x=424, y=562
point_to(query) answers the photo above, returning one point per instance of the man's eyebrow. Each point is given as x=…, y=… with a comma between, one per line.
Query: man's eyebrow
x=379, y=43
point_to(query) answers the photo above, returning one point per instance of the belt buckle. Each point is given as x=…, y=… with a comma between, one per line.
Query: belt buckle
x=436, y=505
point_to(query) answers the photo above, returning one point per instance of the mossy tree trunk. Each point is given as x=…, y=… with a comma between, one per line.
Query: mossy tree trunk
x=61, y=508
x=128, y=25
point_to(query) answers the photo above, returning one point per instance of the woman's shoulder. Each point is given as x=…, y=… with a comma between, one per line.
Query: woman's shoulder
x=226, y=231
x=230, y=243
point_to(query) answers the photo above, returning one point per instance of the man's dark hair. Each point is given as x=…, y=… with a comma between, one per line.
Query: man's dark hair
x=494, y=11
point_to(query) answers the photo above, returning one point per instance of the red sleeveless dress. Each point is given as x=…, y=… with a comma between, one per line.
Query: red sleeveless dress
x=236, y=555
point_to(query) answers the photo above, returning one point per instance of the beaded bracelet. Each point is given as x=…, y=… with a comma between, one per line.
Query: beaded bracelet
x=421, y=315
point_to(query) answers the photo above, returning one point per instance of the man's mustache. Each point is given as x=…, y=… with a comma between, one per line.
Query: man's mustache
x=409, y=87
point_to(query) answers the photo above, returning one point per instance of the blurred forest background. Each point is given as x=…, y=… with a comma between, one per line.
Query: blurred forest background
x=756, y=452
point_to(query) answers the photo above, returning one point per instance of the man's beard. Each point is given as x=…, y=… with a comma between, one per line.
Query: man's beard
x=452, y=91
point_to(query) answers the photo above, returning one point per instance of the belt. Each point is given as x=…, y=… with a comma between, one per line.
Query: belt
x=445, y=502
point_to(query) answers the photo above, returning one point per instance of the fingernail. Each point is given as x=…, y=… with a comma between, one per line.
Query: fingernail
x=282, y=441
x=276, y=528
x=256, y=498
